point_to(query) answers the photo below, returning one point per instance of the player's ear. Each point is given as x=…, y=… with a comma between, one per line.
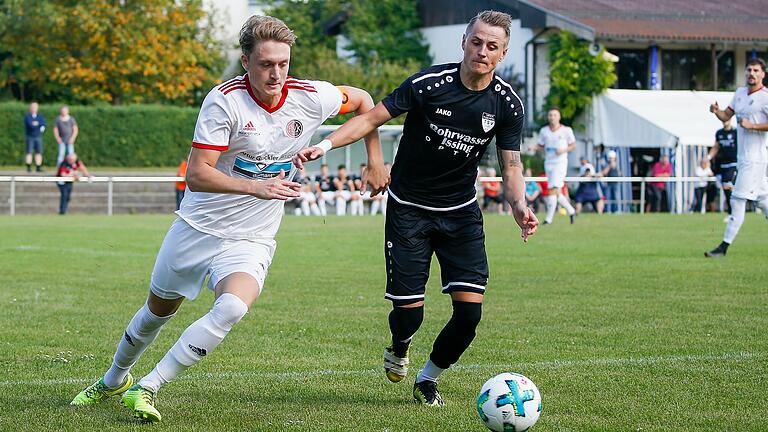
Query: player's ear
x=463, y=41
x=244, y=61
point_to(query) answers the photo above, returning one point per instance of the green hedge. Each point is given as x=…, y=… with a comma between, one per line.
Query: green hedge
x=130, y=135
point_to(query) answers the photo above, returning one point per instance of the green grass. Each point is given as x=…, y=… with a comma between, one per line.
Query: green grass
x=620, y=321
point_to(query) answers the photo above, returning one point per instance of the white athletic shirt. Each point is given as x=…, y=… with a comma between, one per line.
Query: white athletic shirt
x=556, y=140
x=256, y=142
x=753, y=106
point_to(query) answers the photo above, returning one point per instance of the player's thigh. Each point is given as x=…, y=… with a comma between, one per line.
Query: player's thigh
x=250, y=258
x=556, y=174
x=183, y=262
x=408, y=253
x=460, y=250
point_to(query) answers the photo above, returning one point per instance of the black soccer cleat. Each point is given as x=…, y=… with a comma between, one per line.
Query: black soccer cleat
x=573, y=218
x=717, y=252
x=425, y=393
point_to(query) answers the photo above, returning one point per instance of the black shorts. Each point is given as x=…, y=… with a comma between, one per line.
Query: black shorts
x=412, y=234
x=728, y=175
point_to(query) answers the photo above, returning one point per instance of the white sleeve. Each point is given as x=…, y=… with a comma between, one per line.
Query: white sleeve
x=214, y=123
x=330, y=98
x=571, y=138
x=732, y=105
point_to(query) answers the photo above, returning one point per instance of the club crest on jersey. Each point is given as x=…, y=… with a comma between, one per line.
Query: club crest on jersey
x=489, y=121
x=294, y=128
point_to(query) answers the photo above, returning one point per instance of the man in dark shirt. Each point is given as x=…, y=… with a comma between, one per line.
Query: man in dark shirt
x=34, y=125
x=724, y=154
x=325, y=188
x=454, y=111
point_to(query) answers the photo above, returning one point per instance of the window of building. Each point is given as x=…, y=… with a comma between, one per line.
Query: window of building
x=632, y=68
x=692, y=70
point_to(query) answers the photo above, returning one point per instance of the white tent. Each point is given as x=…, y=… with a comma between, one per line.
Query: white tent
x=676, y=120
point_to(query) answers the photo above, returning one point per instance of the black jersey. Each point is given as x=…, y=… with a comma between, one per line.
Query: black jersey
x=726, y=156
x=326, y=183
x=446, y=132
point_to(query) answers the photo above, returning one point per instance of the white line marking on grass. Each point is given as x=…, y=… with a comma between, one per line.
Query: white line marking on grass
x=546, y=364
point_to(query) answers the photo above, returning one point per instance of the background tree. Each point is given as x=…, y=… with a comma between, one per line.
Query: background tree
x=575, y=75
x=115, y=51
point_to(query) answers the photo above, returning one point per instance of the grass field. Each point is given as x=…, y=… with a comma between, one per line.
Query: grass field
x=619, y=320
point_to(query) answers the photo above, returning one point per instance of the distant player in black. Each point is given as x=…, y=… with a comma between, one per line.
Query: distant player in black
x=724, y=155
x=325, y=186
x=454, y=111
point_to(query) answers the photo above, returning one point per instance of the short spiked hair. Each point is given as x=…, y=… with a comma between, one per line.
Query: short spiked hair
x=492, y=18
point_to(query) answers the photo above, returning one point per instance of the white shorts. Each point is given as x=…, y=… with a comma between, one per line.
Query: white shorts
x=555, y=174
x=308, y=197
x=187, y=256
x=751, y=181
x=328, y=196
x=345, y=195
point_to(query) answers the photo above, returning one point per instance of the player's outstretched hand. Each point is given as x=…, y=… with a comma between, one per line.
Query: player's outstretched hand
x=306, y=155
x=277, y=188
x=526, y=219
x=714, y=108
x=377, y=176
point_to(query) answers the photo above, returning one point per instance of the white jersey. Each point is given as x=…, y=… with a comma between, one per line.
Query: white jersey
x=256, y=142
x=754, y=107
x=556, y=140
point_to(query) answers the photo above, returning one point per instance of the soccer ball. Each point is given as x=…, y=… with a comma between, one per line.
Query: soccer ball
x=509, y=402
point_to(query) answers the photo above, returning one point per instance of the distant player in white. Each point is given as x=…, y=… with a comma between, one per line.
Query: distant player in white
x=248, y=130
x=556, y=140
x=750, y=106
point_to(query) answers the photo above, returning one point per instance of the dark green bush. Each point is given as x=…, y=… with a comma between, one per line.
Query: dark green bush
x=128, y=135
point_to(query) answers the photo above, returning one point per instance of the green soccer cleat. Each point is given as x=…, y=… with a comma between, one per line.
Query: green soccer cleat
x=395, y=367
x=142, y=403
x=98, y=391
x=425, y=393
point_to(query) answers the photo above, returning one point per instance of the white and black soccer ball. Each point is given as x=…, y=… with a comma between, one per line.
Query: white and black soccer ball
x=509, y=402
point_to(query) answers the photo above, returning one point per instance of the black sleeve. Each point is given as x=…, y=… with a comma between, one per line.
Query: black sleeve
x=509, y=134
x=402, y=99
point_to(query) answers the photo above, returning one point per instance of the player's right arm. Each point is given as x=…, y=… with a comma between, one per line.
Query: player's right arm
x=722, y=115
x=202, y=176
x=514, y=191
x=713, y=151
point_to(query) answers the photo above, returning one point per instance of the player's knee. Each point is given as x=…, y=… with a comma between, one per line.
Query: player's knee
x=227, y=311
x=404, y=321
x=467, y=314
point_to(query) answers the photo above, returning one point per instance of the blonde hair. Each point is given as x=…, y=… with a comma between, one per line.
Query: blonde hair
x=260, y=28
x=492, y=18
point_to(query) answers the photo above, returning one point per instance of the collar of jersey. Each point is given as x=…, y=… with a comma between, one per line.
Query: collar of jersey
x=262, y=104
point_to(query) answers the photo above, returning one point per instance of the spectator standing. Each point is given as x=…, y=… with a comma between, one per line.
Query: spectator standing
x=703, y=186
x=34, y=125
x=71, y=166
x=657, y=190
x=65, y=132
x=181, y=186
x=611, y=188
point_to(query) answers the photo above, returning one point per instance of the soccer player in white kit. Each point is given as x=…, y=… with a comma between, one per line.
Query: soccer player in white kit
x=247, y=131
x=557, y=140
x=750, y=106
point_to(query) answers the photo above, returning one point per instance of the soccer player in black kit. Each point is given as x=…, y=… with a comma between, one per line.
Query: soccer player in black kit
x=725, y=150
x=454, y=111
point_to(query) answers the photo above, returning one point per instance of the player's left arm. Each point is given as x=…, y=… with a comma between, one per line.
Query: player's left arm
x=511, y=166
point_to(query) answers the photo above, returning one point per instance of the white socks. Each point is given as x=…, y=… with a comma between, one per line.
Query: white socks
x=429, y=373
x=141, y=331
x=197, y=341
x=551, y=201
x=341, y=206
x=738, y=208
x=566, y=203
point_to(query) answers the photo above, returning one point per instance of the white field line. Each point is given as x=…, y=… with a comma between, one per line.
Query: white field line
x=547, y=364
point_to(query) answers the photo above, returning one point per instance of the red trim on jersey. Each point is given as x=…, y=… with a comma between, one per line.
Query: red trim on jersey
x=230, y=85
x=756, y=90
x=239, y=87
x=229, y=81
x=297, y=87
x=264, y=106
x=301, y=83
x=196, y=144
